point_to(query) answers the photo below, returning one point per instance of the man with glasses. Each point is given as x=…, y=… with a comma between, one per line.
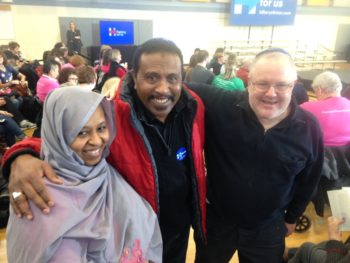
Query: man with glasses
x=264, y=156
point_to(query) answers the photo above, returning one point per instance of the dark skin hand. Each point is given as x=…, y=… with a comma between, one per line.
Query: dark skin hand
x=26, y=176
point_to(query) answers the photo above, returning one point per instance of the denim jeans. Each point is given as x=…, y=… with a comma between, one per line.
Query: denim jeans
x=9, y=129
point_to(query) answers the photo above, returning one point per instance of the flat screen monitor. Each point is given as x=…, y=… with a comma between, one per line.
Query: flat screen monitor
x=116, y=32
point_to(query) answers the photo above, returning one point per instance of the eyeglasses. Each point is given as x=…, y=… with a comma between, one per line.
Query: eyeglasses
x=279, y=87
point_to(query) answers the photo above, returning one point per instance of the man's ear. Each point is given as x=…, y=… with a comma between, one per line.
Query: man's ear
x=249, y=86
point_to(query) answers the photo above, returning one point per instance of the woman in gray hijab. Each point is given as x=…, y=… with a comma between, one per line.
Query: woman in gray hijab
x=97, y=216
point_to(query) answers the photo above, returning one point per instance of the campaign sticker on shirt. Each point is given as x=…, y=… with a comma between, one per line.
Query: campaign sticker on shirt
x=181, y=154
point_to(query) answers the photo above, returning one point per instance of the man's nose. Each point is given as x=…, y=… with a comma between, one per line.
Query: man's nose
x=163, y=86
x=271, y=91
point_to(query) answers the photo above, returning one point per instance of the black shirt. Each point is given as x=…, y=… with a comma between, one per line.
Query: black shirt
x=170, y=149
x=254, y=176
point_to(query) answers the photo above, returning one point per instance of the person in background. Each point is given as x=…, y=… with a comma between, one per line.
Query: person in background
x=58, y=46
x=68, y=77
x=243, y=71
x=48, y=80
x=99, y=63
x=9, y=79
x=32, y=71
x=13, y=53
x=228, y=80
x=9, y=75
x=47, y=54
x=110, y=86
x=9, y=129
x=116, y=69
x=86, y=77
x=231, y=59
x=331, y=251
x=98, y=216
x=75, y=61
x=62, y=55
x=213, y=60
x=113, y=56
x=331, y=110
x=158, y=148
x=7, y=106
x=300, y=93
x=102, y=66
x=74, y=42
x=200, y=74
x=191, y=65
x=216, y=65
x=264, y=158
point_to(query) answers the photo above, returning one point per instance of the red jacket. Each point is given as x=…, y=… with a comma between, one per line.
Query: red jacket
x=131, y=156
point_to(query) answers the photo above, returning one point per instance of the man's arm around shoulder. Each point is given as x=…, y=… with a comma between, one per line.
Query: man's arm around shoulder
x=24, y=173
x=28, y=146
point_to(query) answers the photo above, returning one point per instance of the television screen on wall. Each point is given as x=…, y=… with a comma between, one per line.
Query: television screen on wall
x=116, y=32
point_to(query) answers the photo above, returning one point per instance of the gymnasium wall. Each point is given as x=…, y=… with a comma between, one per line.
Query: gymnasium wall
x=37, y=28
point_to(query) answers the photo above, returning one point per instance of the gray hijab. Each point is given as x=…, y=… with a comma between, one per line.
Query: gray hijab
x=65, y=113
x=97, y=216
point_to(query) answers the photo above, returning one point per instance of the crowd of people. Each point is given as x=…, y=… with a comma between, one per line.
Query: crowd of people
x=222, y=148
x=221, y=71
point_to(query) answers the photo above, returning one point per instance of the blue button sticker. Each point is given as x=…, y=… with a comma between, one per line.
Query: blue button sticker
x=181, y=154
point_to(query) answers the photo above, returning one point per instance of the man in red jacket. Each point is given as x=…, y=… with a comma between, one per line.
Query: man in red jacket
x=158, y=149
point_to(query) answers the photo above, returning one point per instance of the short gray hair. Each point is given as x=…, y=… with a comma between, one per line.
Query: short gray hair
x=329, y=82
x=272, y=53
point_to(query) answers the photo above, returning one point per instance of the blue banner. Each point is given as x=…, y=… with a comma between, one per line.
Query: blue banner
x=262, y=12
x=116, y=32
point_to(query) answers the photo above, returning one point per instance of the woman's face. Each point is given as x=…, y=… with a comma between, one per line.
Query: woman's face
x=72, y=25
x=92, y=139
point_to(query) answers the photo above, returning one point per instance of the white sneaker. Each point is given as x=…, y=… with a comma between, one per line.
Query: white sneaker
x=27, y=124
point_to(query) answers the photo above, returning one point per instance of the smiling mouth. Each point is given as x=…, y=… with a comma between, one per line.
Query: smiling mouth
x=164, y=100
x=161, y=100
x=268, y=102
x=93, y=153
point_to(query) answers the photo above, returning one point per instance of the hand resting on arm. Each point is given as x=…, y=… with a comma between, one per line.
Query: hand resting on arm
x=26, y=176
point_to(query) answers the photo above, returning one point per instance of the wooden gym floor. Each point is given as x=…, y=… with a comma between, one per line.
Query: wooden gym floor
x=316, y=233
